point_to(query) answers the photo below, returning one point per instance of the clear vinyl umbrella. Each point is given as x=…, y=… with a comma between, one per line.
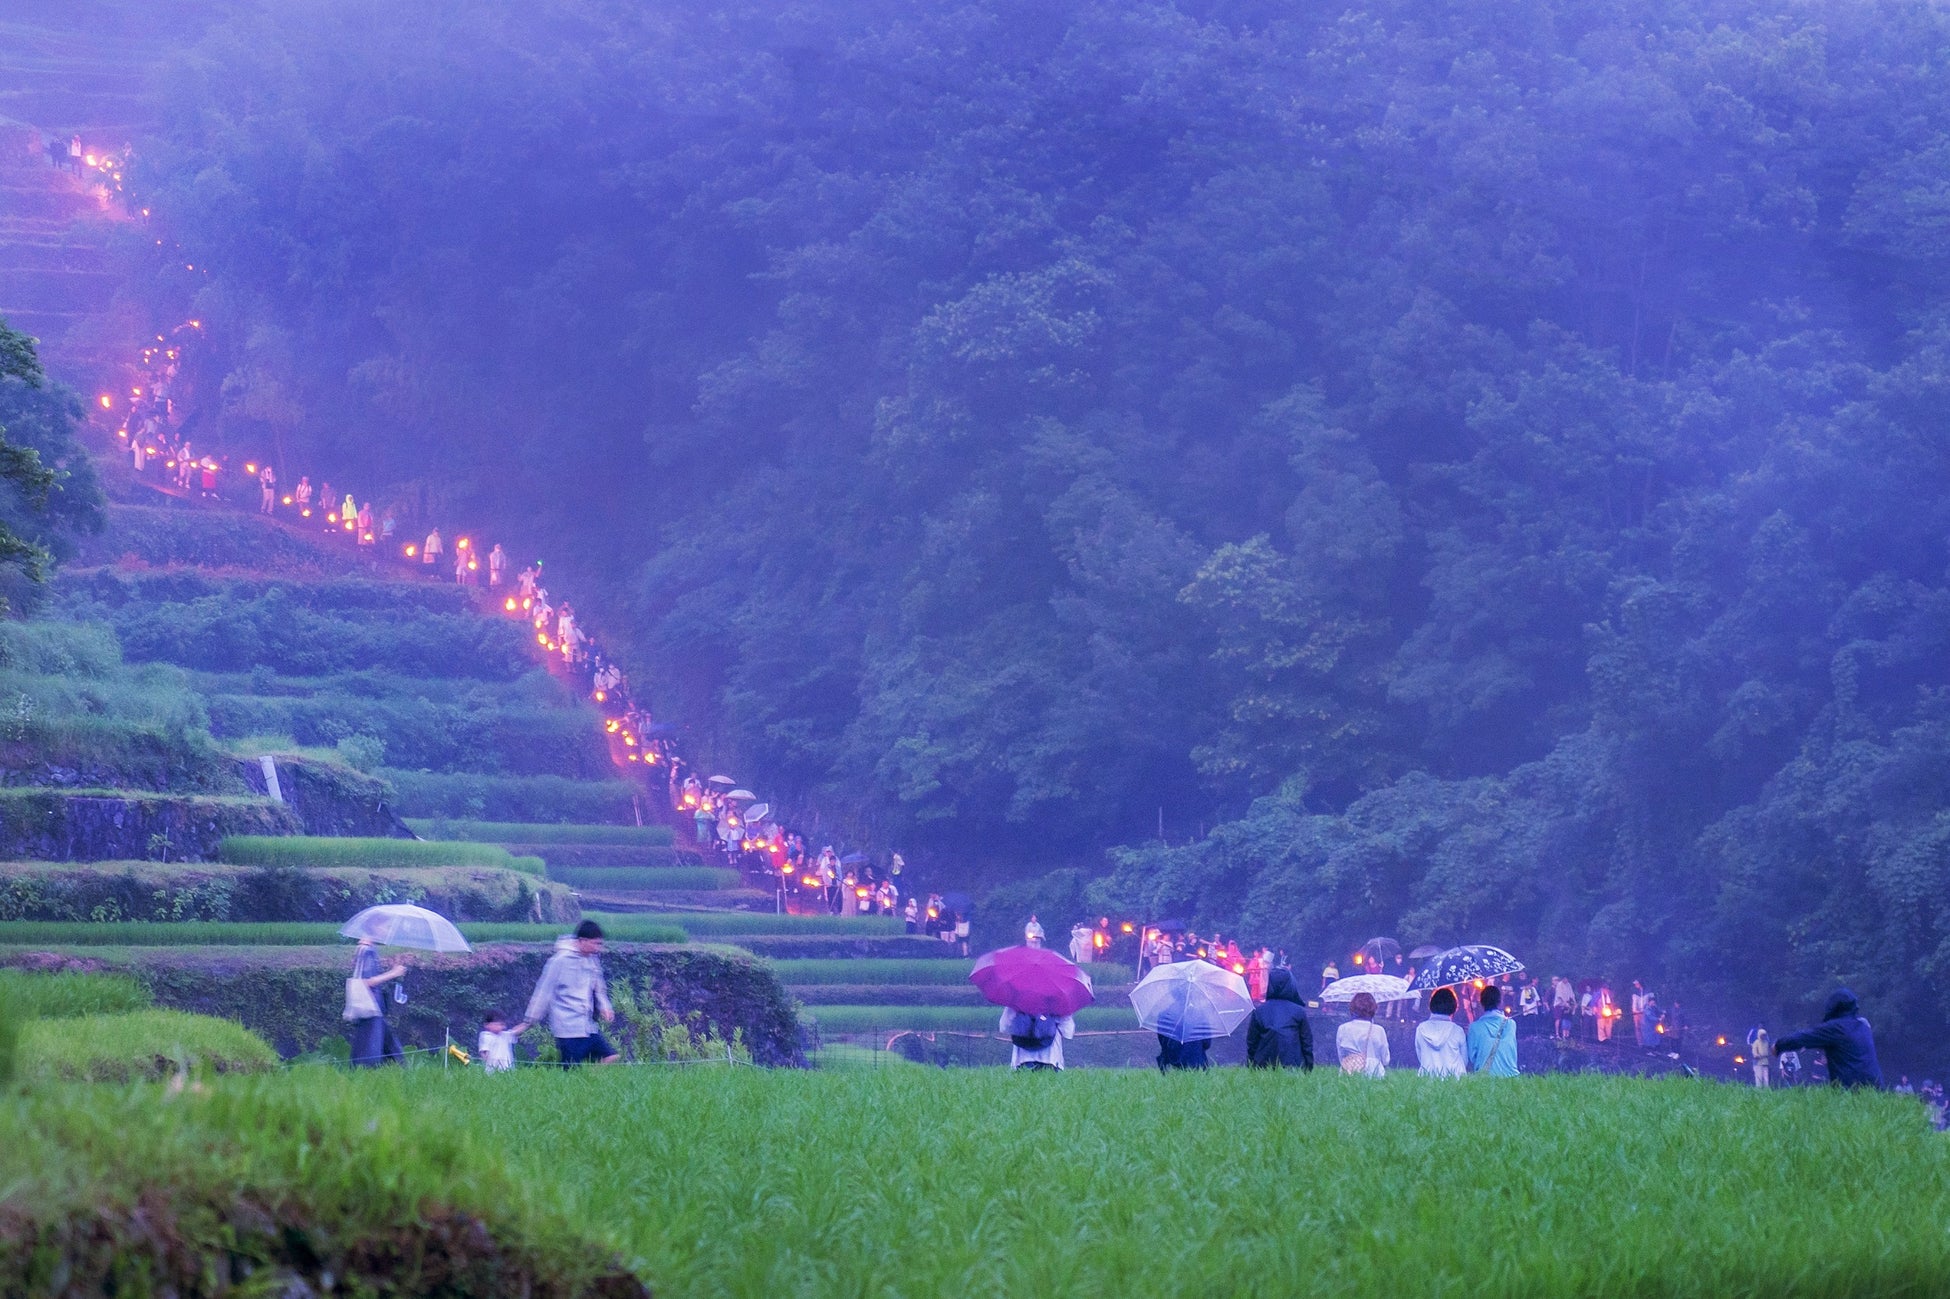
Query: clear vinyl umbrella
x=398, y=924
x=1382, y=987
x=1191, y=1001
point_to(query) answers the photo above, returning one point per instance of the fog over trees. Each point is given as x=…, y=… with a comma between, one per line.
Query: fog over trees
x=1471, y=471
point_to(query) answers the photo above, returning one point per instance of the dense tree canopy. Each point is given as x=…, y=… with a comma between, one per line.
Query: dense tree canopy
x=1490, y=457
x=47, y=484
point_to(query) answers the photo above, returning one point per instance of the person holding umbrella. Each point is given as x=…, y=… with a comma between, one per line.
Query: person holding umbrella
x=1039, y=993
x=371, y=1037
x=395, y=924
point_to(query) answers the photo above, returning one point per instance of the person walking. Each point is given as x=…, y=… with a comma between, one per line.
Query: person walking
x=1328, y=973
x=1032, y=933
x=267, y=482
x=1278, y=1035
x=1844, y=1037
x=1079, y=942
x=572, y=996
x=1361, y=1043
x=431, y=552
x=1441, y=1049
x=371, y=1036
x=497, y=565
x=365, y=534
x=1639, y=998
x=301, y=495
x=1492, y=1039
x=1036, y=1041
x=1760, y=1049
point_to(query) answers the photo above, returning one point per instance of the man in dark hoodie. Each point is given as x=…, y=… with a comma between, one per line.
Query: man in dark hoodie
x=1278, y=1035
x=1843, y=1036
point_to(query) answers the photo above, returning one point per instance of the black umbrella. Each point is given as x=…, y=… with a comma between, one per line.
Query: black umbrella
x=1425, y=951
x=1377, y=951
x=1465, y=964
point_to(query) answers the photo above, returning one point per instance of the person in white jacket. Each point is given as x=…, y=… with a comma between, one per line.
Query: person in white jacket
x=1440, y=1043
x=1036, y=1042
x=1361, y=1043
x=572, y=995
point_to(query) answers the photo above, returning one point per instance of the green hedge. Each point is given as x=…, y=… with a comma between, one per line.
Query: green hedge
x=130, y=825
x=147, y=891
x=533, y=833
x=526, y=798
x=639, y=879
x=293, y=996
x=299, y=851
x=116, y=1192
x=145, y=1044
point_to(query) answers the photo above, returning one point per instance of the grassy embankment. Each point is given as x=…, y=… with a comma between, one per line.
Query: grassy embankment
x=102, y=1028
x=731, y=1181
x=304, y=851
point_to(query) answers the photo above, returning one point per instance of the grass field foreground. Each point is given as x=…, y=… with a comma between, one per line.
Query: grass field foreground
x=741, y=1182
x=300, y=1183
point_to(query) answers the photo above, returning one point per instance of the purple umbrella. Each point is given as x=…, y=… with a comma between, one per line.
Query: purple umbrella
x=1033, y=980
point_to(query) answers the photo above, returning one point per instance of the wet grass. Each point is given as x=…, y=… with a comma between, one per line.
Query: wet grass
x=1091, y=1183
x=144, y=1044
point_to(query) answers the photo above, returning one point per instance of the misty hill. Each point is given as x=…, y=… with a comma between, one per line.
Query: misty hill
x=1487, y=460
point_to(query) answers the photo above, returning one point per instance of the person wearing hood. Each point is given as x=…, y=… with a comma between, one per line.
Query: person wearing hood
x=1278, y=1035
x=1844, y=1037
x=572, y=995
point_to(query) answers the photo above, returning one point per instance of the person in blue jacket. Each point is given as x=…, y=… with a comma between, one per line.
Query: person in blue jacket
x=1844, y=1037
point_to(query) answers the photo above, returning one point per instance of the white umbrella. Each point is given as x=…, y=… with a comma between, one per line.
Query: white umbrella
x=397, y=924
x=1382, y=987
x=744, y=794
x=1191, y=1001
x=757, y=812
x=720, y=781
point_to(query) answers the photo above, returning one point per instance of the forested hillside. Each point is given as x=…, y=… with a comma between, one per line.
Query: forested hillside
x=1489, y=457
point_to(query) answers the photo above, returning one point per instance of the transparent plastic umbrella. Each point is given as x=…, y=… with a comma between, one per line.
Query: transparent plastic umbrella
x=1382, y=987
x=1191, y=1001
x=398, y=924
x=744, y=794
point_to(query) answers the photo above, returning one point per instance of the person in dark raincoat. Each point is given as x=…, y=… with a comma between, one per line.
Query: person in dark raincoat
x=1182, y=1055
x=1278, y=1035
x=1844, y=1037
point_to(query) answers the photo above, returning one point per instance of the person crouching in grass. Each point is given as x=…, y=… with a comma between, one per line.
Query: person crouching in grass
x=572, y=994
